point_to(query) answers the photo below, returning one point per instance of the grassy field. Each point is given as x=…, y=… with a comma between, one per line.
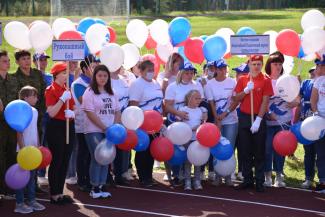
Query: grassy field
x=207, y=24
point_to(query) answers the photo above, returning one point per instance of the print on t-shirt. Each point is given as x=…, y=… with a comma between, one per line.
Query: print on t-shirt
x=107, y=107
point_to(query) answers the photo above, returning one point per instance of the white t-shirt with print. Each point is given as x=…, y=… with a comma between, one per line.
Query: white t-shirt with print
x=148, y=94
x=121, y=90
x=221, y=92
x=195, y=116
x=30, y=134
x=320, y=86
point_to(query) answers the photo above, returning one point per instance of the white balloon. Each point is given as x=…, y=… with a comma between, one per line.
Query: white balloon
x=197, y=154
x=112, y=56
x=312, y=18
x=137, y=32
x=225, y=167
x=179, y=133
x=313, y=40
x=313, y=128
x=273, y=35
x=96, y=37
x=105, y=152
x=225, y=33
x=132, y=117
x=131, y=55
x=164, y=51
x=17, y=35
x=62, y=25
x=287, y=87
x=41, y=36
x=159, y=31
x=288, y=64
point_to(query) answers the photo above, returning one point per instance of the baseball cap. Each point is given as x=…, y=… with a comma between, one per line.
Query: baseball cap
x=38, y=56
x=243, y=68
x=58, y=67
x=221, y=63
x=187, y=66
x=320, y=61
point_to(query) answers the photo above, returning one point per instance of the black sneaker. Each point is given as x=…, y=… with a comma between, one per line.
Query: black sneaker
x=146, y=183
x=320, y=188
x=121, y=181
x=259, y=188
x=244, y=185
x=176, y=182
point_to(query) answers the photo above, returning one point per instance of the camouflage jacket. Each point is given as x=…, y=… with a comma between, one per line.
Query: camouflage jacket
x=8, y=91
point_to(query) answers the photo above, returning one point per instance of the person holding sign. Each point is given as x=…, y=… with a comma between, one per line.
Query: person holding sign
x=56, y=98
x=252, y=134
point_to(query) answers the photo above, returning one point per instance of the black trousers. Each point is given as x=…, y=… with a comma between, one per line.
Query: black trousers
x=144, y=163
x=252, y=148
x=83, y=161
x=61, y=152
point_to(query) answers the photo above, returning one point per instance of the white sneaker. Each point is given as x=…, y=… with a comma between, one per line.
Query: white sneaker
x=105, y=194
x=307, y=184
x=132, y=172
x=23, y=208
x=42, y=181
x=95, y=195
x=240, y=176
x=279, y=181
x=188, y=185
x=203, y=176
x=268, y=179
x=197, y=185
x=156, y=164
x=36, y=206
x=228, y=181
x=233, y=176
x=127, y=176
x=71, y=180
x=212, y=176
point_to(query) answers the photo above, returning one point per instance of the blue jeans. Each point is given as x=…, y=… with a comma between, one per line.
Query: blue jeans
x=320, y=162
x=97, y=173
x=309, y=161
x=73, y=160
x=121, y=162
x=230, y=131
x=270, y=155
x=30, y=189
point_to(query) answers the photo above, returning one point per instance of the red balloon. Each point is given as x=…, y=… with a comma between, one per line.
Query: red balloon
x=162, y=149
x=193, y=50
x=285, y=143
x=153, y=122
x=112, y=34
x=288, y=42
x=130, y=142
x=150, y=43
x=208, y=135
x=160, y=61
x=153, y=59
x=70, y=35
x=46, y=157
x=227, y=55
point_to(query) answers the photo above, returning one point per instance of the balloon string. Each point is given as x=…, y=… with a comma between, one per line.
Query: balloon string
x=88, y=66
x=282, y=124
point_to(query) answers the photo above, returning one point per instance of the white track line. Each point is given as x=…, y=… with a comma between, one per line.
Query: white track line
x=120, y=209
x=227, y=199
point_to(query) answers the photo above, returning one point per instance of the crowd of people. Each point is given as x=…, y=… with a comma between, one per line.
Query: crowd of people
x=96, y=97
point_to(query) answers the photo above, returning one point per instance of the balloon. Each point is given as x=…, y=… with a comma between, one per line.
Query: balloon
x=131, y=55
x=288, y=42
x=112, y=56
x=197, y=154
x=101, y=21
x=40, y=36
x=208, y=134
x=116, y=134
x=34, y=22
x=179, y=30
x=105, y=152
x=296, y=129
x=313, y=128
x=150, y=43
x=143, y=140
x=17, y=35
x=225, y=33
x=193, y=50
x=309, y=57
x=62, y=25
x=130, y=142
x=287, y=87
x=132, y=117
x=179, y=156
x=96, y=37
x=70, y=35
x=288, y=64
x=214, y=48
x=179, y=133
x=273, y=35
x=29, y=158
x=246, y=31
x=159, y=31
x=181, y=51
x=85, y=24
x=312, y=18
x=153, y=59
x=301, y=53
x=153, y=122
x=223, y=150
x=137, y=32
x=285, y=143
x=225, y=167
x=313, y=40
x=18, y=114
x=17, y=178
x=162, y=149
x=112, y=34
x=46, y=157
x=164, y=51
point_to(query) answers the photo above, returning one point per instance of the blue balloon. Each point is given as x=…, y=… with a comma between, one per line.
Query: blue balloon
x=295, y=129
x=301, y=53
x=214, y=48
x=203, y=37
x=85, y=23
x=179, y=156
x=223, y=150
x=179, y=30
x=97, y=20
x=143, y=140
x=18, y=114
x=116, y=134
x=246, y=31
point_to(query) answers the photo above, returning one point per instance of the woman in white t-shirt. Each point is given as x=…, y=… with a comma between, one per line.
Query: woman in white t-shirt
x=146, y=93
x=102, y=110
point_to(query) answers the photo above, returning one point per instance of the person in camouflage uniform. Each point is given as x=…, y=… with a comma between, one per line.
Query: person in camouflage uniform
x=8, y=141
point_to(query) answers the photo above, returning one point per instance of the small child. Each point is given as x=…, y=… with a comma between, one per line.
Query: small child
x=28, y=138
x=195, y=117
